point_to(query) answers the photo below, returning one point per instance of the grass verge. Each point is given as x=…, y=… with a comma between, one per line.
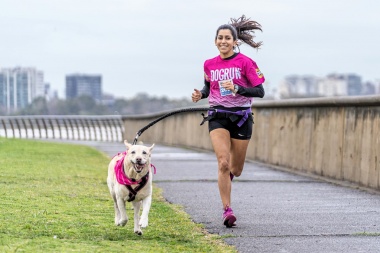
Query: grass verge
x=54, y=198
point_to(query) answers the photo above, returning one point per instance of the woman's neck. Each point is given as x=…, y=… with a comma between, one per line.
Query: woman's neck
x=228, y=57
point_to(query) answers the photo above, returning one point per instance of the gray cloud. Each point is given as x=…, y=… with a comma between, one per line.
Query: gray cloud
x=159, y=46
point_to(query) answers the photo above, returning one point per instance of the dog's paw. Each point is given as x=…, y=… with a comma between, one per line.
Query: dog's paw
x=122, y=223
x=143, y=222
x=138, y=232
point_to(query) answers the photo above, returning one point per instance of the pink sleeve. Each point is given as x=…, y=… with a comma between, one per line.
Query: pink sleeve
x=254, y=75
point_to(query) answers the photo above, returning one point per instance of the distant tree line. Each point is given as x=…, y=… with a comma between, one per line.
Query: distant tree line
x=142, y=103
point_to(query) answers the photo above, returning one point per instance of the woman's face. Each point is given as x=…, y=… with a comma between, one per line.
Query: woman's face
x=225, y=43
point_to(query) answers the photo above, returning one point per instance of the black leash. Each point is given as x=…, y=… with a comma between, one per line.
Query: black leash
x=167, y=115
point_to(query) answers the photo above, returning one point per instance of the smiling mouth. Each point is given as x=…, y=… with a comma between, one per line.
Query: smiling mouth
x=138, y=167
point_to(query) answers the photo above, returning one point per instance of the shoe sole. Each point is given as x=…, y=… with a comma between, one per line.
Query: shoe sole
x=229, y=221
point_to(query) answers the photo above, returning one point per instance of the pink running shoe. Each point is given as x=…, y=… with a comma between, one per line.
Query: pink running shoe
x=229, y=218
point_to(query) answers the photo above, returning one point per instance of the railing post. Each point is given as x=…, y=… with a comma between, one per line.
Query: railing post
x=83, y=123
x=18, y=126
x=109, y=135
x=72, y=128
x=66, y=127
x=78, y=129
x=51, y=126
x=46, y=129
x=39, y=127
x=5, y=128
x=88, y=128
x=91, y=122
x=59, y=127
x=32, y=127
x=24, y=124
x=12, y=127
x=98, y=122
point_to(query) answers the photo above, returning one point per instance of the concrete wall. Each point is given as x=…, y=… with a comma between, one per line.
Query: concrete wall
x=338, y=138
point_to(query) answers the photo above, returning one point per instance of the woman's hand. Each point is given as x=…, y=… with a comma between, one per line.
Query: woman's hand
x=196, y=95
x=228, y=85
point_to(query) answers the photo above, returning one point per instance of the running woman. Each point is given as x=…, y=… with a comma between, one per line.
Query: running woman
x=231, y=81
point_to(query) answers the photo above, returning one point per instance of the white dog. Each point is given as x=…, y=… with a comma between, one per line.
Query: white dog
x=130, y=179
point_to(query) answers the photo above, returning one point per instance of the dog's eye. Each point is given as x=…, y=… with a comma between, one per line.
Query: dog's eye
x=133, y=152
x=144, y=153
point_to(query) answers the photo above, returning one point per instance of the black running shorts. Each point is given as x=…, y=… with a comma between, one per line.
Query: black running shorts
x=241, y=133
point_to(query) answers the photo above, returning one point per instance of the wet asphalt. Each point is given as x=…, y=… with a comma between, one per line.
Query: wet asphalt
x=276, y=211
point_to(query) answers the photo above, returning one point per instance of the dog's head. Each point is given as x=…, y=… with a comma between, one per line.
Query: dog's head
x=138, y=156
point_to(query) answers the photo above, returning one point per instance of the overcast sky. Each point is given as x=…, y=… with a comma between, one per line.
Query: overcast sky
x=159, y=47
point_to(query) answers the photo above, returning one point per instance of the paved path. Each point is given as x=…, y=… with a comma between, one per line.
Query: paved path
x=276, y=211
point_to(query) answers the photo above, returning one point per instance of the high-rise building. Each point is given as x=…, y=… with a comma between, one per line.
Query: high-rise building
x=84, y=85
x=19, y=86
x=331, y=85
x=299, y=86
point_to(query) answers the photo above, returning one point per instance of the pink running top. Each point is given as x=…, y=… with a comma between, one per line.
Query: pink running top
x=241, y=69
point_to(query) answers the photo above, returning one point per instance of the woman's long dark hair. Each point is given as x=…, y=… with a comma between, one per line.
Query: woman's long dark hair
x=243, y=29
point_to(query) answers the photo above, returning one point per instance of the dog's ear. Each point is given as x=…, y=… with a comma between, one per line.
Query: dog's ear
x=150, y=148
x=128, y=145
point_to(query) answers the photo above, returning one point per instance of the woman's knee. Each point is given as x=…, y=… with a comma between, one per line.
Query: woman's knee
x=237, y=169
x=237, y=173
x=224, y=166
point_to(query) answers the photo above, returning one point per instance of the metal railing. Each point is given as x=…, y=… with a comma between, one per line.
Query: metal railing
x=73, y=127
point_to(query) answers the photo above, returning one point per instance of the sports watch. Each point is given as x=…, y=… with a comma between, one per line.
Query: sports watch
x=236, y=88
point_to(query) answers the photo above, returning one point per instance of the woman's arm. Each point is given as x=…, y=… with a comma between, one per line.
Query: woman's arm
x=205, y=90
x=257, y=91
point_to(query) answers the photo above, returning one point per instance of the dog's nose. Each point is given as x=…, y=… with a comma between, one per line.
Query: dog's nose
x=138, y=160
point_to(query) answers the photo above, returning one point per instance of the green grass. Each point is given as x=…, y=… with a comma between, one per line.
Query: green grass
x=54, y=198
x=367, y=234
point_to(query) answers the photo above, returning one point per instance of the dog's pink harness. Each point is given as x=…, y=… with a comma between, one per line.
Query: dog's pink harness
x=122, y=178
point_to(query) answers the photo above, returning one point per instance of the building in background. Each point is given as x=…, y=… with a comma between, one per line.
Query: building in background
x=333, y=85
x=19, y=87
x=296, y=86
x=84, y=85
x=49, y=93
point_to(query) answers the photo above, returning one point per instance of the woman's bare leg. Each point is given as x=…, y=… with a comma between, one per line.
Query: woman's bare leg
x=230, y=154
x=238, y=153
x=221, y=142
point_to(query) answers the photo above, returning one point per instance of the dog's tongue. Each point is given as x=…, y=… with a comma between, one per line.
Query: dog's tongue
x=139, y=167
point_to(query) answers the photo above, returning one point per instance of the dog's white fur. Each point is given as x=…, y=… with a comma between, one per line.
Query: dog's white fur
x=136, y=165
